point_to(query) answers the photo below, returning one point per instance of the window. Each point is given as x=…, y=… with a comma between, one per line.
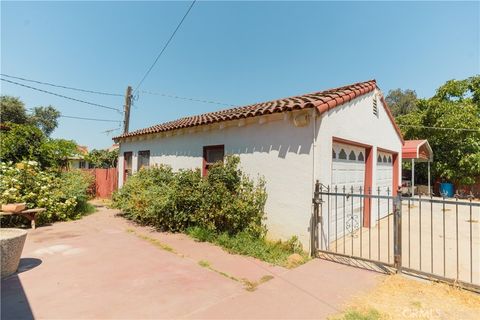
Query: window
x=385, y=159
x=389, y=159
x=379, y=158
x=212, y=154
x=334, y=155
x=361, y=157
x=81, y=164
x=342, y=155
x=143, y=159
x=127, y=165
x=352, y=156
x=375, y=107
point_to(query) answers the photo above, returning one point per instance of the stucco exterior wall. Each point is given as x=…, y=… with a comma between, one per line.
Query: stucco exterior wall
x=272, y=147
x=355, y=121
x=289, y=157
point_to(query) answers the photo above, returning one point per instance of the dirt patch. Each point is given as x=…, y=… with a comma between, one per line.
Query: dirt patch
x=398, y=297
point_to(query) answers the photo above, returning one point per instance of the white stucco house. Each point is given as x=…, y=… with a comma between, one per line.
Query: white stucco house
x=344, y=136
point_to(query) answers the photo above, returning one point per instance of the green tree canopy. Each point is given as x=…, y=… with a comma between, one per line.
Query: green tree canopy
x=12, y=109
x=103, y=158
x=45, y=118
x=401, y=102
x=450, y=121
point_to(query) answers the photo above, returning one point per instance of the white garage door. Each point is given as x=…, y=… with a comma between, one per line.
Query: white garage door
x=348, y=170
x=384, y=182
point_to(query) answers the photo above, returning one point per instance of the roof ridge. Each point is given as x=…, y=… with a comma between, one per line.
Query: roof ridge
x=332, y=97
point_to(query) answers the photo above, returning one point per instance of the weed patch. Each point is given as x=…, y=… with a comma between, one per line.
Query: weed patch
x=274, y=252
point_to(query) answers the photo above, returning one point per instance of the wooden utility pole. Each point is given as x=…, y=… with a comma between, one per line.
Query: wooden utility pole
x=128, y=104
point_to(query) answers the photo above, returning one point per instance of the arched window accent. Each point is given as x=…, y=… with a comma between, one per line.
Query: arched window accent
x=360, y=156
x=334, y=155
x=352, y=156
x=342, y=155
x=379, y=158
x=389, y=159
x=385, y=159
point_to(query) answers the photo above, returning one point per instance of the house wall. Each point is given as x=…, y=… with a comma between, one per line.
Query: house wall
x=269, y=146
x=289, y=157
x=355, y=121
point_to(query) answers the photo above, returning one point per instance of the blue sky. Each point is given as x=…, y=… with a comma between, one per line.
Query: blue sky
x=232, y=52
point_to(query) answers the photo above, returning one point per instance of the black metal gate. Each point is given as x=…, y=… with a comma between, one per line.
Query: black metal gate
x=430, y=237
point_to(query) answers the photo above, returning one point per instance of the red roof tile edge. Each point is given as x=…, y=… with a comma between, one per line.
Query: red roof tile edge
x=323, y=101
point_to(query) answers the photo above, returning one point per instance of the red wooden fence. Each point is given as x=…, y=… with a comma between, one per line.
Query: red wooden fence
x=106, y=181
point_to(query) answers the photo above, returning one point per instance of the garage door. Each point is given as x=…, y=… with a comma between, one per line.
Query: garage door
x=384, y=181
x=348, y=170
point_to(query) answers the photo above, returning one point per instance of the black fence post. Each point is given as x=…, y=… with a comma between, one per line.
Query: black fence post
x=315, y=220
x=397, y=231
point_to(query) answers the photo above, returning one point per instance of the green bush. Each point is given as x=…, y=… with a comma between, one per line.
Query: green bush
x=226, y=201
x=63, y=194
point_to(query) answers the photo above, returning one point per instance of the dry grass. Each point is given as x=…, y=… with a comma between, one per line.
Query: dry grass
x=398, y=297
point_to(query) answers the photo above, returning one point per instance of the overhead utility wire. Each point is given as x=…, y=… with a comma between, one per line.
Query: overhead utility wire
x=91, y=119
x=164, y=47
x=440, y=128
x=64, y=87
x=62, y=96
x=185, y=98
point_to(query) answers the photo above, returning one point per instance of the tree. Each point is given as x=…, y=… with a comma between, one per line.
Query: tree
x=54, y=153
x=401, y=102
x=20, y=142
x=45, y=118
x=103, y=158
x=12, y=109
x=450, y=121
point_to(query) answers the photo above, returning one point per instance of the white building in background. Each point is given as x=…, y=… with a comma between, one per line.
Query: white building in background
x=345, y=137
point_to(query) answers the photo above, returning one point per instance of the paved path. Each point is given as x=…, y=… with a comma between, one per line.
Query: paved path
x=105, y=267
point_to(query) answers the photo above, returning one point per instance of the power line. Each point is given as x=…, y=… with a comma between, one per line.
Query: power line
x=64, y=87
x=62, y=96
x=440, y=128
x=164, y=47
x=91, y=119
x=186, y=98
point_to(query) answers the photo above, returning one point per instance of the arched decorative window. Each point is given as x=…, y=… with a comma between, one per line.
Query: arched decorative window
x=334, y=155
x=389, y=159
x=360, y=156
x=352, y=156
x=379, y=158
x=342, y=155
x=385, y=159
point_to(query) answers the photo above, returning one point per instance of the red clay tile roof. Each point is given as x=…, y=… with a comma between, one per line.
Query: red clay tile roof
x=322, y=100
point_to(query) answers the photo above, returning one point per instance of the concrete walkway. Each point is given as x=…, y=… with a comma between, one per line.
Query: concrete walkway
x=103, y=266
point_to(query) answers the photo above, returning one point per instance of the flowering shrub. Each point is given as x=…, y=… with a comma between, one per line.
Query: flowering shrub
x=226, y=201
x=63, y=194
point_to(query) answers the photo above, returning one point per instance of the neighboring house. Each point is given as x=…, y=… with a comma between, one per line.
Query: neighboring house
x=77, y=161
x=345, y=137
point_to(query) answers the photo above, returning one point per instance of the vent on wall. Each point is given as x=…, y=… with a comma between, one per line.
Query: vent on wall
x=375, y=107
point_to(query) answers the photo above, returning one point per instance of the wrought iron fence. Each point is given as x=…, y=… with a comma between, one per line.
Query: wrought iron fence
x=432, y=237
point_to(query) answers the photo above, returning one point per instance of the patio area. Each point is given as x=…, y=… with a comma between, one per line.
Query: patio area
x=103, y=266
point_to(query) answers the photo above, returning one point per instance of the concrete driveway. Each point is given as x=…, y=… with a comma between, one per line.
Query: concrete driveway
x=105, y=267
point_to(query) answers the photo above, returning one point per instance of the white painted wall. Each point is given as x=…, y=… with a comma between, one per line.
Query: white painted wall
x=276, y=150
x=355, y=121
x=290, y=158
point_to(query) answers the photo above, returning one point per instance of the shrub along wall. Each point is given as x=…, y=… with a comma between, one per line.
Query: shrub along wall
x=225, y=201
x=63, y=194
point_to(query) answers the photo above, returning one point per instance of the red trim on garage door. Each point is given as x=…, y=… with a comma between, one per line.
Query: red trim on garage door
x=368, y=175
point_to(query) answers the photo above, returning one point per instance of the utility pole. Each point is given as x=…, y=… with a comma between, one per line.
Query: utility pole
x=128, y=104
